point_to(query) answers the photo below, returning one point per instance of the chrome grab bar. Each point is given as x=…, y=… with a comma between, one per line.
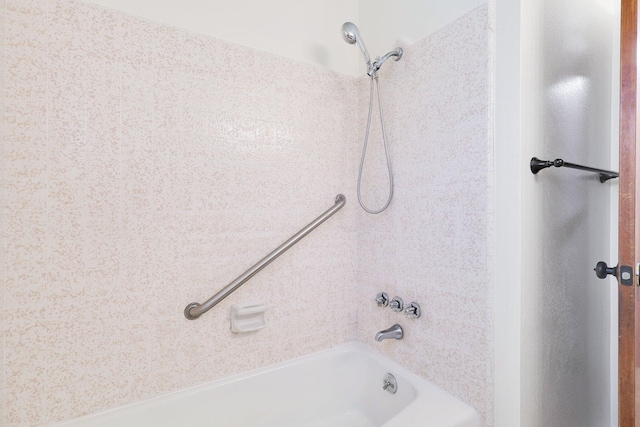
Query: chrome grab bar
x=195, y=310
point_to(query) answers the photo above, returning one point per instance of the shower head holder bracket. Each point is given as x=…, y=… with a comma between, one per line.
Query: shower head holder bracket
x=375, y=66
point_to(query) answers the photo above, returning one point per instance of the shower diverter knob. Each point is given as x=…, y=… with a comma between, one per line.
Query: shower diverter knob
x=396, y=304
x=413, y=311
x=382, y=299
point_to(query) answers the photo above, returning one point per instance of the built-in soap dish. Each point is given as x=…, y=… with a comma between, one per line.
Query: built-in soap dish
x=248, y=317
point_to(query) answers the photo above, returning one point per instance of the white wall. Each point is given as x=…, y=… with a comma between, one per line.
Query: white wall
x=508, y=221
x=382, y=23
x=564, y=84
x=308, y=31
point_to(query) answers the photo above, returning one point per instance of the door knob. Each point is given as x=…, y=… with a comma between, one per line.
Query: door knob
x=602, y=270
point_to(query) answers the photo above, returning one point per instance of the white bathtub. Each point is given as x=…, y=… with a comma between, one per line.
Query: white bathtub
x=341, y=387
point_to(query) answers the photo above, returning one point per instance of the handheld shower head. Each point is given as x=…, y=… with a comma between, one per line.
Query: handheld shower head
x=350, y=32
x=351, y=35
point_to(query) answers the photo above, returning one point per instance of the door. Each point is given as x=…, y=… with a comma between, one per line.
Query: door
x=628, y=237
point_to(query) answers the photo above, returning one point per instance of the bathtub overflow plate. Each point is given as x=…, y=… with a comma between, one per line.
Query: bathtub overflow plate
x=390, y=384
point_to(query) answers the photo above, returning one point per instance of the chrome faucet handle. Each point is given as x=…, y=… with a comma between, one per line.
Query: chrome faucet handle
x=396, y=304
x=413, y=311
x=382, y=299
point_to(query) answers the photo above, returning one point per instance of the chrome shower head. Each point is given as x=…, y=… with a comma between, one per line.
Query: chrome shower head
x=351, y=35
x=350, y=32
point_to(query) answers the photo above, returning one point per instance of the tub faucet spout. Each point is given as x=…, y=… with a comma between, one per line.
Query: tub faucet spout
x=394, y=332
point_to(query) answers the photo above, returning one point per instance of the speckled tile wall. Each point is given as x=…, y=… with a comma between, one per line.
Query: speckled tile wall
x=3, y=226
x=145, y=167
x=434, y=244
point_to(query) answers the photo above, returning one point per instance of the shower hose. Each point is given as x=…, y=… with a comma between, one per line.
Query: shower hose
x=364, y=149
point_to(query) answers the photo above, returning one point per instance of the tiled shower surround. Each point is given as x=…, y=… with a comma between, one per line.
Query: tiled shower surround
x=145, y=167
x=433, y=244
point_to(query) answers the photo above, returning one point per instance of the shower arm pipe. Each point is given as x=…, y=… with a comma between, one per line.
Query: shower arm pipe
x=195, y=310
x=536, y=165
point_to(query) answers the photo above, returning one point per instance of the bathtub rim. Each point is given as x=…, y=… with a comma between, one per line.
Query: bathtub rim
x=422, y=386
